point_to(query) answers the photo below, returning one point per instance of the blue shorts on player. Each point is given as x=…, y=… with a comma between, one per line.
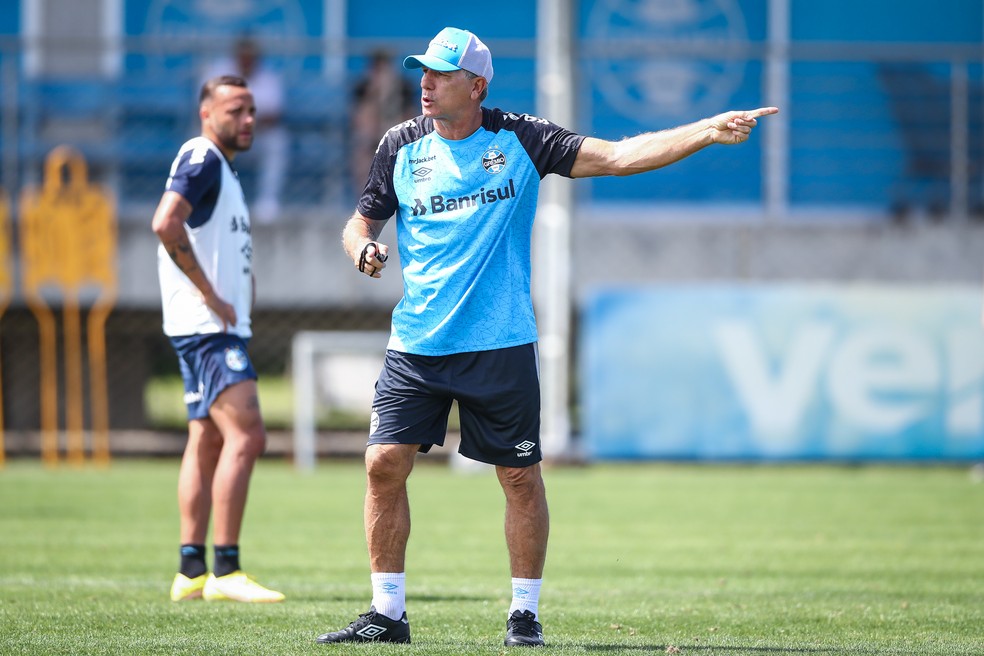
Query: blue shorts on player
x=498, y=395
x=210, y=364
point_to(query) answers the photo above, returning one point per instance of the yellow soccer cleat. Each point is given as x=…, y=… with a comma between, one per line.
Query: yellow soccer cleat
x=238, y=586
x=183, y=588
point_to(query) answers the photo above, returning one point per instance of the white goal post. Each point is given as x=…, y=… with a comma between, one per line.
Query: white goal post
x=307, y=349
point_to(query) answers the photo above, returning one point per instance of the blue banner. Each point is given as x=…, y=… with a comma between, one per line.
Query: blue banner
x=783, y=372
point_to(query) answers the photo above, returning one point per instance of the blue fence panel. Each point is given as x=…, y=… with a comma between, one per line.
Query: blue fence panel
x=948, y=21
x=845, y=148
x=648, y=66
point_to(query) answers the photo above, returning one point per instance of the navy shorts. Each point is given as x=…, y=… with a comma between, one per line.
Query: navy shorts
x=209, y=364
x=498, y=395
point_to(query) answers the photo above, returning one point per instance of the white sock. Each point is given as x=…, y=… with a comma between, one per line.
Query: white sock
x=526, y=595
x=389, y=594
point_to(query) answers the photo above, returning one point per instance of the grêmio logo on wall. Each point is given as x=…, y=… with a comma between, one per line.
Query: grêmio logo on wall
x=667, y=58
x=784, y=372
x=202, y=29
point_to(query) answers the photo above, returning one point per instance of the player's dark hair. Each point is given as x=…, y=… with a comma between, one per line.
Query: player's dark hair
x=208, y=89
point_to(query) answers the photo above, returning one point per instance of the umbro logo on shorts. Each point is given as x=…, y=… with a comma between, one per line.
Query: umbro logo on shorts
x=525, y=448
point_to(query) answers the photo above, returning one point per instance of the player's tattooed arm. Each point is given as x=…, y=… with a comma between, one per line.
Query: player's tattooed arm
x=169, y=226
x=182, y=254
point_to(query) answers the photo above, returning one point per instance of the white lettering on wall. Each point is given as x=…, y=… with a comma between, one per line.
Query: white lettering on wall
x=877, y=381
x=965, y=366
x=774, y=397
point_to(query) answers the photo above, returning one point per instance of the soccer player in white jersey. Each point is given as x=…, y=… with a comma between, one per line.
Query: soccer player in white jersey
x=207, y=294
x=463, y=181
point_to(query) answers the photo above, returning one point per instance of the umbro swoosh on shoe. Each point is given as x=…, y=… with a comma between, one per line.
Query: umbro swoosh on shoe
x=371, y=627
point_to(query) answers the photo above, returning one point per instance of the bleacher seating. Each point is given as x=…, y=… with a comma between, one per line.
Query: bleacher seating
x=148, y=117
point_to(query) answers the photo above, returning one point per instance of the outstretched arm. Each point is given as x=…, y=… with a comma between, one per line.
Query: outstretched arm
x=654, y=150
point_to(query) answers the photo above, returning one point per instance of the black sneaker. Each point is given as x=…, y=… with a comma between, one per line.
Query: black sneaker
x=522, y=630
x=371, y=627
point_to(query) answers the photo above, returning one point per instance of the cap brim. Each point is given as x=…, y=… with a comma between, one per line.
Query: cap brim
x=429, y=61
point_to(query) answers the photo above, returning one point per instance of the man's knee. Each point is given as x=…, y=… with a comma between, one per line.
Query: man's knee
x=255, y=443
x=526, y=481
x=389, y=462
x=245, y=442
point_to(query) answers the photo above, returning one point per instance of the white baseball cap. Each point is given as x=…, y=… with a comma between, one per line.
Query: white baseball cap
x=453, y=49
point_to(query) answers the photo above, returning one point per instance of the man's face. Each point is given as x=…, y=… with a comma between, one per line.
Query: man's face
x=228, y=117
x=446, y=96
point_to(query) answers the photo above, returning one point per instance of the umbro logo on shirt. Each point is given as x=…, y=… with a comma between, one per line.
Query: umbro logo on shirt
x=422, y=175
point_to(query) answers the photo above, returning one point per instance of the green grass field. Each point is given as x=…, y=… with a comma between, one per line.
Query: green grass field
x=644, y=559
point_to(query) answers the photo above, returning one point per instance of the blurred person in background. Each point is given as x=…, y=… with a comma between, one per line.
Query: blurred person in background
x=207, y=289
x=463, y=181
x=380, y=100
x=271, y=137
x=921, y=106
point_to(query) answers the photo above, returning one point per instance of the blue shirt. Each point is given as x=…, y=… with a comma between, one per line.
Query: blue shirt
x=465, y=214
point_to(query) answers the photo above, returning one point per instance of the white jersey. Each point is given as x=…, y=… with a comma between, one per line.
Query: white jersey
x=219, y=232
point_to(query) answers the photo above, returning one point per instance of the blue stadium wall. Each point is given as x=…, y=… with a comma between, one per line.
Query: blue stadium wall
x=623, y=92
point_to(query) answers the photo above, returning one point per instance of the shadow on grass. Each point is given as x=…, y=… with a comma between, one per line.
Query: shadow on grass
x=366, y=597
x=446, y=597
x=683, y=649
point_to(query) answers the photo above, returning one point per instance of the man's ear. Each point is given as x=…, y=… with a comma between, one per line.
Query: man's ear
x=481, y=84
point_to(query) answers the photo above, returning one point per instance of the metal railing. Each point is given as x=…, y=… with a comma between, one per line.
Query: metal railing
x=843, y=145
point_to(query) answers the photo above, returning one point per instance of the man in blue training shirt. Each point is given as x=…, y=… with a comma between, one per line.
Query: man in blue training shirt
x=463, y=181
x=204, y=264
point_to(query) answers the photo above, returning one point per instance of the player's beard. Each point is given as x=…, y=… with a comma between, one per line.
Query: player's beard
x=236, y=142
